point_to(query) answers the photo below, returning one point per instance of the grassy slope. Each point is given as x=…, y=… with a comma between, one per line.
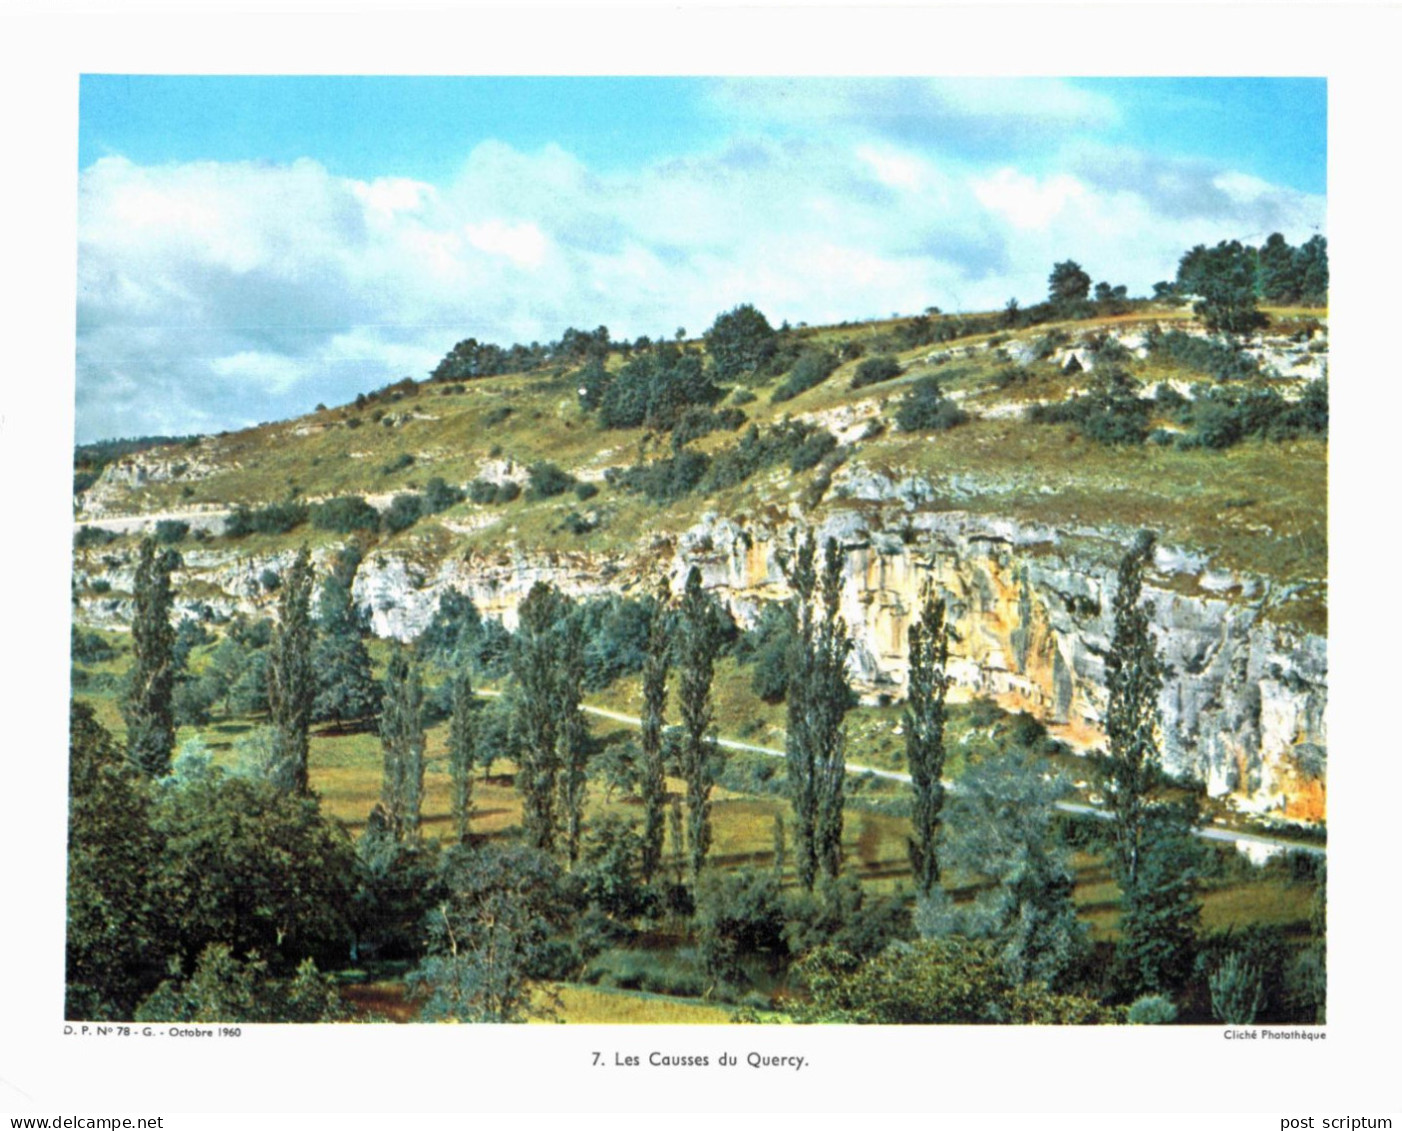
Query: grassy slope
x=1259, y=507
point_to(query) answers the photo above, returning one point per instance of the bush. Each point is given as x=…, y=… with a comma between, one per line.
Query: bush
x=439, y=496
x=1112, y=413
x=697, y=422
x=812, y=368
x=740, y=916
x=811, y=452
x=666, y=480
x=89, y=647
x=874, y=370
x=402, y=512
x=170, y=531
x=398, y=463
x=655, y=389
x=486, y=493
x=843, y=915
x=1218, y=359
x=547, y=481
x=275, y=518
x=1152, y=1010
x=87, y=536
x=742, y=396
x=585, y=491
x=345, y=514
x=926, y=409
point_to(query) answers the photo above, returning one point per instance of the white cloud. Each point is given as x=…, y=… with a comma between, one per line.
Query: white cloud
x=523, y=244
x=212, y=295
x=1027, y=202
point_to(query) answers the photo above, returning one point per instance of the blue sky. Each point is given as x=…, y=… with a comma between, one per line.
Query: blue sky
x=249, y=246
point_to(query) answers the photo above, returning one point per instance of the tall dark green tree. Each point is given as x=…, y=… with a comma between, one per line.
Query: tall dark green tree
x=739, y=342
x=148, y=708
x=1067, y=283
x=818, y=700
x=1312, y=270
x=1134, y=677
x=574, y=735
x=462, y=750
x=291, y=677
x=346, y=689
x=535, y=657
x=654, y=779
x=1224, y=279
x=698, y=640
x=402, y=738
x=923, y=724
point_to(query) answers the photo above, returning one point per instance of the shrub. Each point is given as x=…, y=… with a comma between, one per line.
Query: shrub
x=169, y=531
x=697, y=422
x=665, y=480
x=89, y=647
x=402, y=512
x=398, y=463
x=766, y=646
x=275, y=518
x=86, y=536
x=812, y=450
x=486, y=493
x=439, y=496
x=547, y=481
x=740, y=915
x=926, y=409
x=812, y=368
x=1152, y=1009
x=874, y=370
x=1112, y=413
x=585, y=491
x=742, y=396
x=1218, y=359
x=655, y=389
x=345, y=514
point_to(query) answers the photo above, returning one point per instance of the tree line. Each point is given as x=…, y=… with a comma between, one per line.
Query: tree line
x=198, y=892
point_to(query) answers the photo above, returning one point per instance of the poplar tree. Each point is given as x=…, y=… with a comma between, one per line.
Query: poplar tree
x=654, y=779
x=574, y=737
x=291, y=677
x=1157, y=858
x=534, y=658
x=818, y=700
x=1134, y=676
x=923, y=724
x=461, y=751
x=402, y=738
x=147, y=707
x=698, y=638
